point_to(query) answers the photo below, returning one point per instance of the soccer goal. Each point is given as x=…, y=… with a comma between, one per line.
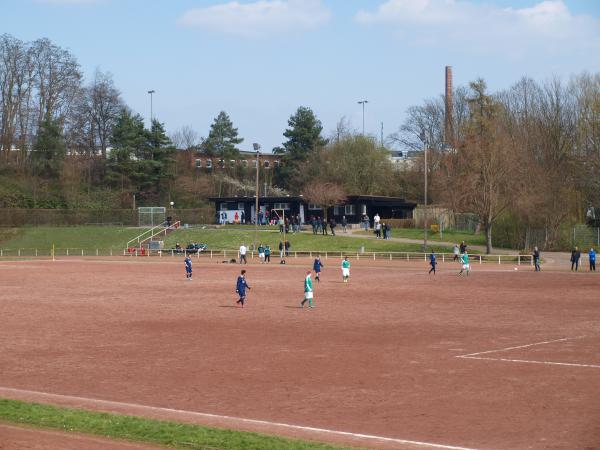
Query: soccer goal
x=150, y=216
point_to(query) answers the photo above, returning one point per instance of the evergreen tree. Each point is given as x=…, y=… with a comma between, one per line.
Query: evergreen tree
x=303, y=139
x=222, y=139
x=49, y=149
x=141, y=160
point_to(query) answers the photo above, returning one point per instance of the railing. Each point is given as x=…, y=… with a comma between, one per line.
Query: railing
x=230, y=254
x=149, y=234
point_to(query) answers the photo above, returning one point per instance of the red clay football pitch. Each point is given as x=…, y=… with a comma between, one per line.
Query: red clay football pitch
x=393, y=359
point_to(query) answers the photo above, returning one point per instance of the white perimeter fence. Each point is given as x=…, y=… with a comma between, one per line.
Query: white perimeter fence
x=226, y=255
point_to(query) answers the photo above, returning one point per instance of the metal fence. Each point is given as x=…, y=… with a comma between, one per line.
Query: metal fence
x=584, y=236
x=252, y=255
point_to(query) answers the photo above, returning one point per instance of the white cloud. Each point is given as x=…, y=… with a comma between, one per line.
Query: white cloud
x=546, y=26
x=260, y=18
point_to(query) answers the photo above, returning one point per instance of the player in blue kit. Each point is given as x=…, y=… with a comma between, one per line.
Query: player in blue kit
x=317, y=265
x=188, y=267
x=240, y=287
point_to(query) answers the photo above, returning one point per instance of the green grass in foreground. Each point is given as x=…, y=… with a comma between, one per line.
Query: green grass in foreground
x=231, y=239
x=86, y=237
x=171, y=434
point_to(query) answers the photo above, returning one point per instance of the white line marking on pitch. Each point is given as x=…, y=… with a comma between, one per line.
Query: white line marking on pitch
x=527, y=361
x=521, y=346
x=109, y=403
x=552, y=363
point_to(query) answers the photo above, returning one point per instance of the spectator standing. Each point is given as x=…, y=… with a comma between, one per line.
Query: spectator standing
x=344, y=224
x=536, y=259
x=243, y=250
x=366, y=222
x=456, y=252
x=387, y=230
x=377, y=226
x=592, y=257
x=463, y=248
x=313, y=222
x=376, y=219
x=332, y=226
x=267, y=254
x=324, y=227
x=575, y=257
x=243, y=218
x=287, y=246
x=280, y=249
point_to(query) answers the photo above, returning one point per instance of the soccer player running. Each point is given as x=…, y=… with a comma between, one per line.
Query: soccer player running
x=188, y=267
x=308, y=291
x=317, y=265
x=345, y=269
x=432, y=262
x=465, y=263
x=241, y=287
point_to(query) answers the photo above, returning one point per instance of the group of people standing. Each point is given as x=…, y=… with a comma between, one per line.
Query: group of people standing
x=576, y=257
x=319, y=225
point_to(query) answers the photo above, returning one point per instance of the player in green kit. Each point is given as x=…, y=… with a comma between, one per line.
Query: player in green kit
x=345, y=269
x=308, y=291
x=465, y=263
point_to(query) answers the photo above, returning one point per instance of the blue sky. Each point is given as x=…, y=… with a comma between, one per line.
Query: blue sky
x=261, y=59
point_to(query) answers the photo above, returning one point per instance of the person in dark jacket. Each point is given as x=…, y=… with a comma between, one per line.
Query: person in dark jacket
x=332, y=226
x=575, y=257
x=536, y=259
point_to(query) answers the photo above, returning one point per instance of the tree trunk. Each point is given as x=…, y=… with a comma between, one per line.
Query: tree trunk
x=488, y=238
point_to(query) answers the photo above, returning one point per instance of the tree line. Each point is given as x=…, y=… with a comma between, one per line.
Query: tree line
x=525, y=158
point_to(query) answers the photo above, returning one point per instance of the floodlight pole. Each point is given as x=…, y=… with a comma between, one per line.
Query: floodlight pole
x=362, y=102
x=424, y=140
x=151, y=112
x=257, y=150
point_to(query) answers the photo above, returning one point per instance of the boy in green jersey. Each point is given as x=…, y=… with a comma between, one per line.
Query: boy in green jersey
x=345, y=269
x=308, y=291
x=464, y=259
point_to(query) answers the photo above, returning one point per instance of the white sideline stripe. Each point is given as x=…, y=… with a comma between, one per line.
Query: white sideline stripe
x=109, y=403
x=520, y=346
x=552, y=363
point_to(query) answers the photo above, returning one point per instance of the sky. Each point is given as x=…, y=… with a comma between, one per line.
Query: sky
x=259, y=60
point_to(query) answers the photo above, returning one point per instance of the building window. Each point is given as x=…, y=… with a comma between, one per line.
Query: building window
x=336, y=210
x=209, y=163
x=255, y=163
x=198, y=163
x=240, y=205
x=245, y=163
x=281, y=206
x=313, y=206
x=223, y=206
x=267, y=164
x=221, y=163
x=277, y=164
x=232, y=163
x=350, y=210
x=364, y=209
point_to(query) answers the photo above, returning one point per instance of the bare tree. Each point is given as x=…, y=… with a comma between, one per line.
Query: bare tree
x=325, y=195
x=185, y=138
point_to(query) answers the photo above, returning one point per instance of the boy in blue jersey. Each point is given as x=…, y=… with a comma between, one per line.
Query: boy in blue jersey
x=188, y=267
x=240, y=287
x=317, y=265
x=432, y=262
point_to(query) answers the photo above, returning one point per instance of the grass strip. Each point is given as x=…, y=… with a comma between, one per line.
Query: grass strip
x=169, y=434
